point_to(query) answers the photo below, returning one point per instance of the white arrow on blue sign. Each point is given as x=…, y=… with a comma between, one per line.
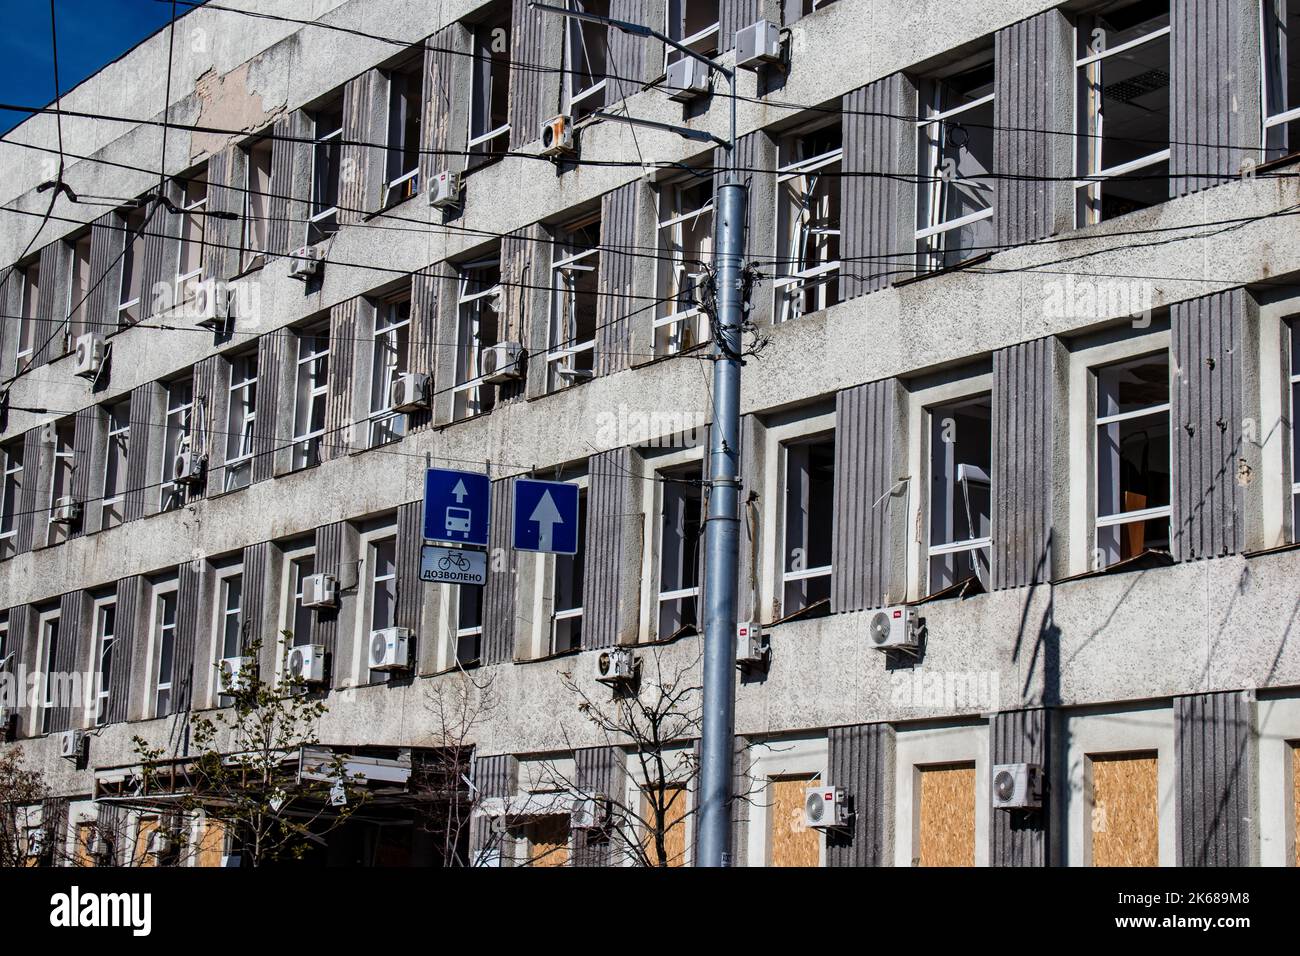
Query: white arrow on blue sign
x=546, y=516
x=456, y=506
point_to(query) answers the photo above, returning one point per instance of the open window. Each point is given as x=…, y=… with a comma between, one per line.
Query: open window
x=11, y=459
x=575, y=277
x=189, y=261
x=468, y=615
x=119, y=441
x=103, y=637
x=78, y=290
x=326, y=162
x=477, y=301
x=310, y=395
x=1132, y=449
x=241, y=416
x=685, y=249
x=52, y=684
x=61, y=480
x=681, y=549
x=129, y=307
x=566, y=592
x=808, y=221
x=693, y=24
x=1123, y=109
x=1281, y=32
x=955, y=191
x=960, y=499
x=390, y=358
x=489, y=117
x=257, y=203
x=177, y=437
x=809, y=511
x=30, y=290
x=586, y=45
x=404, y=108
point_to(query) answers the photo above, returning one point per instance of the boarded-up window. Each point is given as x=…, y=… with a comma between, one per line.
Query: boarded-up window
x=144, y=842
x=548, y=842
x=1125, y=820
x=947, y=816
x=673, y=805
x=84, y=854
x=789, y=842
x=211, y=847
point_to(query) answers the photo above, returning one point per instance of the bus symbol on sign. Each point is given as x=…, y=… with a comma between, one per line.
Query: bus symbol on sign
x=458, y=521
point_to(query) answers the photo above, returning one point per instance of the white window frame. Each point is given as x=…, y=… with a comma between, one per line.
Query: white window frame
x=317, y=220
x=956, y=546
x=653, y=597
x=802, y=757
x=47, y=622
x=63, y=465
x=193, y=216
x=291, y=591
x=311, y=385
x=694, y=41
x=74, y=311
x=122, y=435
x=221, y=613
x=791, y=286
x=396, y=184
x=160, y=593
x=130, y=264
x=252, y=246
x=10, y=490
x=689, y=322
x=1293, y=394
x=241, y=419
x=481, y=71
x=371, y=541
x=566, y=266
x=102, y=642
x=806, y=574
x=467, y=400
x=392, y=318
x=576, y=100
x=28, y=312
x=171, y=495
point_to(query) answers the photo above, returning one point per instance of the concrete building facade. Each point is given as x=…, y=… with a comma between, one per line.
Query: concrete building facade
x=1023, y=363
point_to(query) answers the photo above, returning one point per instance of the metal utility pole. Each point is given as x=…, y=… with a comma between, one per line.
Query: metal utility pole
x=722, y=526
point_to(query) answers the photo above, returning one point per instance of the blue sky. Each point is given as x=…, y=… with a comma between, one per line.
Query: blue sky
x=92, y=33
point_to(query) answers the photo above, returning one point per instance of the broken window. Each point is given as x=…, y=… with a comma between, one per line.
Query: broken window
x=1133, y=476
x=11, y=457
x=960, y=499
x=404, y=107
x=954, y=216
x=310, y=395
x=300, y=569
x=1295, y=428
x=241, y=417
x=165, y=642
x=1123, y=106
x=383, y=592
x=31, y=294
x=177, y=438
x=119, y=440
x=78, y=290
x=189, y=262
x=685, y=250
x=566, y=615
x=585, y=50
x=469, y=624
x=49, y=624
x=796, y=9
x=809, y=508
x=478, y=300
x=808, y=210
x=61, y=479
x=326, y=160
x=575, y=276
x=1281, y=28
x=105, y=625
x=681, y=548
x=390, y=359
x=257, y=203
x=129, y=310
x=693, y=24
x=489, y=118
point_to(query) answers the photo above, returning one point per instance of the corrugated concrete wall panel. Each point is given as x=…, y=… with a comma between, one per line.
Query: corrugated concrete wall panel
x=1217, y=796
x=1020, y=838
x=861, y=760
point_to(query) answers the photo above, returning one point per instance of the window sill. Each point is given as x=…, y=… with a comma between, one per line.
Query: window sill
x=964, y=264
x=554, y=656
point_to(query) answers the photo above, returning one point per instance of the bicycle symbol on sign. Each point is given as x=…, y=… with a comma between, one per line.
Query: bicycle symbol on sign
x=453, y=559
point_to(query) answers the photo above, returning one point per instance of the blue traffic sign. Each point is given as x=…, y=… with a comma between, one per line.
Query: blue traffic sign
x=546, y=516
x=456, y=506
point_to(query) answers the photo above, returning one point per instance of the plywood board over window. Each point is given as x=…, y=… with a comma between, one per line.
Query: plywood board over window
x=84, y=854
x=790, y=843
x=144, y=837
x=674, y=826
x=1125, y=814
x=212, y=843
x=947, y=815
x=548, y=842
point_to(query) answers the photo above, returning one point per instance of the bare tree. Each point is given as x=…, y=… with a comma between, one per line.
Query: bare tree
x=20, y=791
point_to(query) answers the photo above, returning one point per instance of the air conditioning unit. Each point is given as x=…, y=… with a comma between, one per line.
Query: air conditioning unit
x=445, y=189
x=161, y=843
x=188, y=467
x=409, y=392
x=89, y=356
x=616, y=666
x=320, y=590
x=825, y=807
x=390, y=649
x=307, y=663
x=65, y=511
x=751, y=648
x=502, y=362
x=304, y=263
x=235, y=675
x=212, y=306
x=895, y=628
x=557, y=136
x=36, y=842
x=590, y=813
x=1017, y=786
x=687, y=79
x=758, y=45
x=71, y=744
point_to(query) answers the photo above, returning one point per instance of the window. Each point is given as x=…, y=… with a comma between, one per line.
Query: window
x=795, y=9
x=189, y=268
x=808, y=210
x=1281, y=78
x=130, y=309
x=809, y=506
x=961, y=460
x=176, y=439
x=404, y=104
x=310, y=395
x=119, y=439
x=231, y=609
x=954, y=215
x=1132, y=447
x=681, y=552
x=300, y=569
x=489, y=120
x=257, y=200
x=49, y=625
x=477, y=302
x=165, y=642
x=326, y=161
x=1123, y=104
x=31, y=294
x=1295, y=428
x=694, y=24
x=240, y=417
x=566, y=616
x=390, y=359
x=685, y=249
x=575, y=276
x=61, y=478
x=469, y=624
x=383, y=591
x=584, y=56
x=78, y=290
x=11, y=457
x=105, y=624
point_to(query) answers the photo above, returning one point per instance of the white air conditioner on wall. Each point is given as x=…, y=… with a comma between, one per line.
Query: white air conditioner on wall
x=212, y=305
x=502, y=362
x=390, y=649
x=825, y=807
x=557, y=136
x=307, y=663
x=590, y=812
x=895, y=628
x=757, y=45
x=71, y=744
x=89, y=356
x=687, y=79
x=409, y=392
x=320, y=590
x=616, y=665
x=1017, y=786
x=304, y=262
x=235, y=675
x=445, y=189
x=751, y=648
x=65, y=511
x=188, y=467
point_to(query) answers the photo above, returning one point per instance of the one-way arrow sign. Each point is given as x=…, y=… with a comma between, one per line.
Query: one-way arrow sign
x=546, y=516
